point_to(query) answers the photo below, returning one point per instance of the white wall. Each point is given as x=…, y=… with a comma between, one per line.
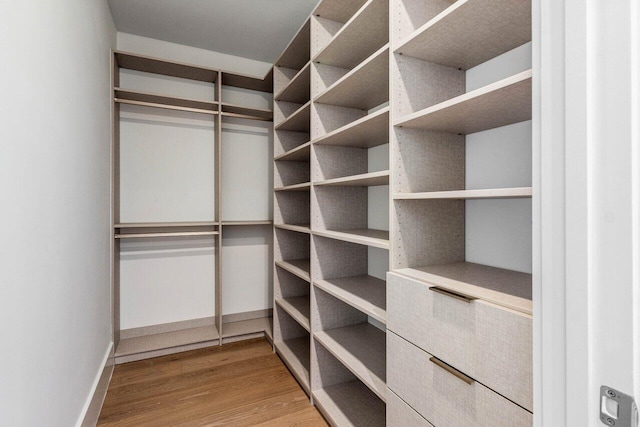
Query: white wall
x=54, y=180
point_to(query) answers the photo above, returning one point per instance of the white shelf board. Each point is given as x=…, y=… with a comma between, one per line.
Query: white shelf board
x=246, y=327
x=300, y=228
x=370, y=179
x=365, y=293
x=507, y=288
x=362, y=349
x=298, y=121
x=502, y=103
x=296, y=355
x=368, y=237
x=364, y=87
x=298, y=267
x=305, y=186
x=470, y=32
x=494, y=193
x=367, y=132
x=350, y=404
x=363, y=34
x=147, y=343
x=165, y=224
x=337, y=10
x=301, y=153
x=298, y=89
x=299, y=308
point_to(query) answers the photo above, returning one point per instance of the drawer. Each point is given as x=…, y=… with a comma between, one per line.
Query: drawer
x=491, y=344
x=399, y=414
x=441, y=396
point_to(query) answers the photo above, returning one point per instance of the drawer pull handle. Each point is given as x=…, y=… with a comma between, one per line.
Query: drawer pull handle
x=452, y=294
x=453, y=371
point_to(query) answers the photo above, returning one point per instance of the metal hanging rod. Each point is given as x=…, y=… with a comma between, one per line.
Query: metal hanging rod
x=177, y=234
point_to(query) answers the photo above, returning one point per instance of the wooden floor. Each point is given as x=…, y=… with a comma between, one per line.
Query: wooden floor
x=239, y=384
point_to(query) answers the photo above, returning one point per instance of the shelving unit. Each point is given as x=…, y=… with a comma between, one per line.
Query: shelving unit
x=154, y=340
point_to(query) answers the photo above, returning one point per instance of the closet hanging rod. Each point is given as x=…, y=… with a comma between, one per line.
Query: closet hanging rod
x=165, y=106
x=246, y=116
x=177, y=234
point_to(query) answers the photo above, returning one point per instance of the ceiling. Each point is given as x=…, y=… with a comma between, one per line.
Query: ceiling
x=255, y=29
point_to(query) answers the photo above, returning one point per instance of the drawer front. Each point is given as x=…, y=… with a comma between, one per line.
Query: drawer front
x=399, y=414
x=492, y=344
x=441, y=396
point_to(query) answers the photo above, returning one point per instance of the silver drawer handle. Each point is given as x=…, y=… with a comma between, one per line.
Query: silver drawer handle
x=452, y=294
x=453, y=371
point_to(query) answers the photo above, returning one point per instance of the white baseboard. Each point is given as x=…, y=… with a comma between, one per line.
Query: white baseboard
x=91, y=411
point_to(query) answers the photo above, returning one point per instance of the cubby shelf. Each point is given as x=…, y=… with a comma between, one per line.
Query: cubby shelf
x=298, y=308
x=296, y=355
x=147, y=343
x=233, y=110
x=502, y=103
x=165, y=100
x=367, y=132
x=351, y=404
x=305, y=186
x=363, y=34
x=247, y=327
x=298, y=121
x=297, y=90
x=494, y=193
x=470, y=32
x=300, y=228
x=165, y=224
x=362, y=349
x=297, y=52
x=354, y=89
x=511, y=289
x=368, y=237
x=298, y=267
x=301, y=153
x=338, y=10
x=363, y=180
x=365, y=293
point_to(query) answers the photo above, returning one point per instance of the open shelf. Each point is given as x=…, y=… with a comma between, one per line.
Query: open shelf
x=297, y=52
x=248, y=82
x=247, y=327
x=368, y=237
x=502, y=103
x=298, y=308
x=302, y=153
x=300, y=228
x=296, y=355
x=147, y=343
x=511, y=289
x=351, y=404
x=298, y=89
x=494, y=193
x=165, y=101
x=354, y=90
x=168, y=234
x=248, y=222
x=471, y=32
x=338, y=10
x=298, y=121
x=366, y=32
x=305, y=186
x=370, y=179
x=367, y=132
x=232, y=110
x=298, y=267
x=365, y=293
x=165, y=224
x=147, y=64
x=362, y=349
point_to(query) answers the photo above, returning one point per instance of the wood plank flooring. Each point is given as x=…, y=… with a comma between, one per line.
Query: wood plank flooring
x=239, y=384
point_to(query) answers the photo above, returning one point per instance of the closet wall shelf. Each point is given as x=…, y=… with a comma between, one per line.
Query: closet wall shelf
x=364, y=293
x=507, y=288
x=296, y=355
x=338, y=10
x=301, y=153
x=300, y=228
x=298, y=89
x=165, y=224
x=147, y=64
x=165, y=100
x=350, y=404
x=305, y=186
x=232, y=110
x=298, y=121
x=363, y=180
x=354, y=89
x=495, y=193
x=363, y=34
x=248, y=222
x=158, y=235
x=360, y=348
x=298, y=267
x=165, y=106
x=367, y=132
x=297, y=52
x=246, y=327
x=470, y=32
x=147, y=343
x=368, y=237
x=298, y=308
x=502, y=103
